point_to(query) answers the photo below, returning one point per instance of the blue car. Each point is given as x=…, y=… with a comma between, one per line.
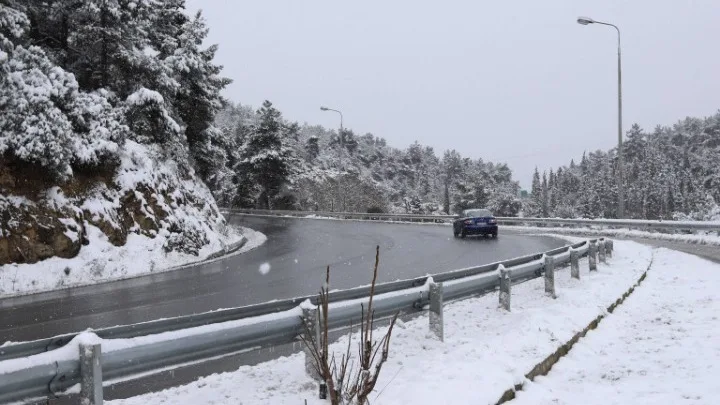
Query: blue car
x=475, y=222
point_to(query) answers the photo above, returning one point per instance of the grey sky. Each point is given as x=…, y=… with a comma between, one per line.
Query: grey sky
x=509, y=81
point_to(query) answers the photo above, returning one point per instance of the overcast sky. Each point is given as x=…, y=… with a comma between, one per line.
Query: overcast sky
x=508, y=81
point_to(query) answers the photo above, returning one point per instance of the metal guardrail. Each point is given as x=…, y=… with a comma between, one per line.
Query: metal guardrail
x=614, y=223
x=43, y=374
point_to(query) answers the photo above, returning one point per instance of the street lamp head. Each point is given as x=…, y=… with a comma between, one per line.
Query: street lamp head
x=585, y=20
x=324, y=108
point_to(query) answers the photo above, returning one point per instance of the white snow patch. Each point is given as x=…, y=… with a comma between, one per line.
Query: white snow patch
x=660, y=347
x=264, y=268
x=143, y=95
x=700, y=237
x=101, y=261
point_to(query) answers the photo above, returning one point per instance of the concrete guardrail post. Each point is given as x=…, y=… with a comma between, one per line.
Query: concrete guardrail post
x=312, y=320
x=574, y=264
x=505, y=287
x=91, y=387
x=550, y=276
x=609, y=245
x=436, y=310
x=592, y=256
x=602, y=251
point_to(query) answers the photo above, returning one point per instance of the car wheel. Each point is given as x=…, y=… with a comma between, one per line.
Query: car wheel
x=455, y=233
x=462, y=234
x=494, y=235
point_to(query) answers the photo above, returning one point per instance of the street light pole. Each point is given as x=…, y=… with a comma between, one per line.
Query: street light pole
x=342, y=151
x=620, y=174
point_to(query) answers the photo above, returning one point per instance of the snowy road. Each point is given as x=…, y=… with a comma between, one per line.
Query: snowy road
x=291, y=263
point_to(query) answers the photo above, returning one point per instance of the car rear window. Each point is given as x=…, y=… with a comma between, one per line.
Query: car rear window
x=477, y=213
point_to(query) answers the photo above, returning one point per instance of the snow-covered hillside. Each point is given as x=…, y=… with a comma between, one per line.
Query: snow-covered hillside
x=106, y=140
x=148, y=217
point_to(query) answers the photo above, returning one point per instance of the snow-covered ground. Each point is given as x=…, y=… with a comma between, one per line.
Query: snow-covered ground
x=702, y=238
x=486, y=350
x=101, y=261
x=662, y=346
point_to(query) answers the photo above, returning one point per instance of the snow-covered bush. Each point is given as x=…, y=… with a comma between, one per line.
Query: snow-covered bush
x=184, y=238
x=148, y=117
x=100, y=129
x=34, y=94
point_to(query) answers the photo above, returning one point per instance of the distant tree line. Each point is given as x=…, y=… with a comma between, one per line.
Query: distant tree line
x=670, y=173
x=273, y=163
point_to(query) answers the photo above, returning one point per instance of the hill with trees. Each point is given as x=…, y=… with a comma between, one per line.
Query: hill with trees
x=107, y=122
x=670, y=173
x=273, y=163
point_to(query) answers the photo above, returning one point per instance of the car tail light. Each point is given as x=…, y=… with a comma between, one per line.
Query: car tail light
x=468, y=221
x=492, y=221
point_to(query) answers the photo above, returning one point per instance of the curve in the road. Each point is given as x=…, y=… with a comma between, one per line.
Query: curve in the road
x=296, y=253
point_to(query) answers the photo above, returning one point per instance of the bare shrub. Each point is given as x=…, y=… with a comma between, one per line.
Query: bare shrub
x=346, y=382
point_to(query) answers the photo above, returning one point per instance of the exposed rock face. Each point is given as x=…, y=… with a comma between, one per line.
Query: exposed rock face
x=31, y=233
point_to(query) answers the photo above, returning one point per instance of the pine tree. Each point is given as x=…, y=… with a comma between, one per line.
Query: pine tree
x=264, y=158
x=544, y=204
x=197, y=99
x=312, y=147
x=534, y=208
x=446, y=199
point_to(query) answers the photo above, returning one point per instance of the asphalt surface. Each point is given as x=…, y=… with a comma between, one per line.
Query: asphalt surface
x=297, y=252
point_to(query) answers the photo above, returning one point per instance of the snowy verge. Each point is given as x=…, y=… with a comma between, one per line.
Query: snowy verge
x=697, y=238
x=485, y=351
x=659, y=347
x=103, y=262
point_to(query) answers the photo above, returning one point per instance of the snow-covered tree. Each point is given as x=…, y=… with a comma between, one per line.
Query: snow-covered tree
x=264, y=157
x=669, y=173
x=375, y=176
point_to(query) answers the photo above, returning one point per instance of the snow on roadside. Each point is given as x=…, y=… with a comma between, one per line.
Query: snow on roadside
x=101, y=261
x=660, y=347
x=698, y=238
x=486, y=349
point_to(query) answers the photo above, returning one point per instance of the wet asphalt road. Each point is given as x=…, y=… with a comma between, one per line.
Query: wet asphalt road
x=297, y=251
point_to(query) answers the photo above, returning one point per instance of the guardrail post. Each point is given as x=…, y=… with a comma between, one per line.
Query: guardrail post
x=601, y=251
x=436, y=310
x=505, y=287
x=592, y=256
x=574, y=264
x=312, y=320
x=609, y=245
x=550, y=275
x=91, y=388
